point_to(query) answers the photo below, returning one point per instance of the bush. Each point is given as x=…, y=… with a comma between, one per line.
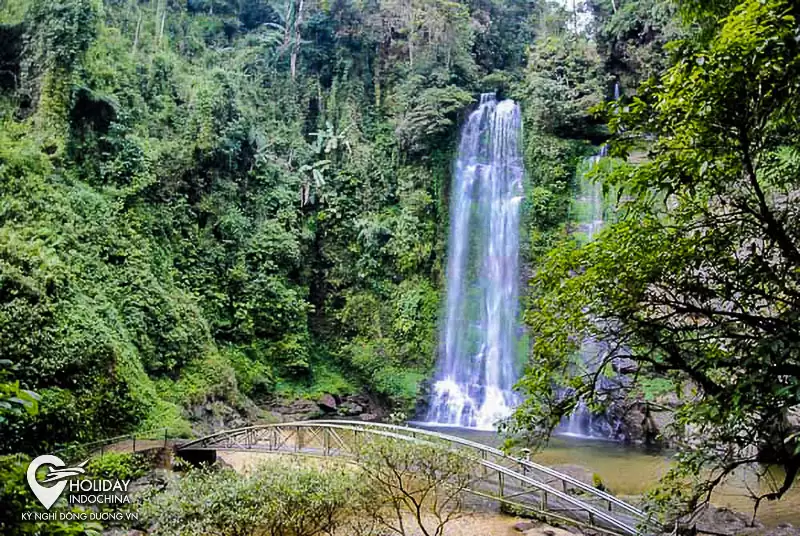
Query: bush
x=275, y=498
x=118, y=465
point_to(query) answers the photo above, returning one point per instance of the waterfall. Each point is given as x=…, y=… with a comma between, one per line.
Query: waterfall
x=477, y=364
x=589, y=217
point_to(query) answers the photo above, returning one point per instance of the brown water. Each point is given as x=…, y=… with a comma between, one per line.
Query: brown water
x=627, y=471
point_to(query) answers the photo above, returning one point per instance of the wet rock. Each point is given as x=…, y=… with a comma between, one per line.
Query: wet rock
x=368, y=417
x=525, y=526
x=327, y=403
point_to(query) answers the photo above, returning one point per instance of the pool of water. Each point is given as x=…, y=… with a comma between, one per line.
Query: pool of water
x=628, y=470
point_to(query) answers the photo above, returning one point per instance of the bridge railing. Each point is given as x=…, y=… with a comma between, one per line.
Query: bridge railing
x=125, y=443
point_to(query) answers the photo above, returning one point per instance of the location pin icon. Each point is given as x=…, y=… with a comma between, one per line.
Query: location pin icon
x=46, y=495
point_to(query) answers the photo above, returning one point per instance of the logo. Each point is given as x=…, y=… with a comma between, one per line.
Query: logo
x=89, y=498
x=48, y=495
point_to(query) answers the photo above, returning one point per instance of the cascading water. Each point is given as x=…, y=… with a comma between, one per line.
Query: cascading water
x=589, y=208
x=478, y=350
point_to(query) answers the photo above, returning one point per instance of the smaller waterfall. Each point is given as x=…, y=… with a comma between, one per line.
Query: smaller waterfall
x=589, y=215
x=590, y=218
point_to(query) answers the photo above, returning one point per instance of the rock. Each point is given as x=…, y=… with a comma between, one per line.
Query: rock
x=624, y=365
x=296, y=410
x=546, y=530
x=350, y=409
x=793, y=417
x=525, y=526
x=577, y=472
x=784, y=529
x=215, y=416
x=327, y=402
x=725, y=521
x=368, y=417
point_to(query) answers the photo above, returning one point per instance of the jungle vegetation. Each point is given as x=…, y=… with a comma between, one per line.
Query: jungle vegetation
x=220, y=204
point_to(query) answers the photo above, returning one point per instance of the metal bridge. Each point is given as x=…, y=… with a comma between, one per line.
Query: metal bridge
x=522, y=484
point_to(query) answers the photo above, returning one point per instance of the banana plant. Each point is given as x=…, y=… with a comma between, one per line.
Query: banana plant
x=313, y=186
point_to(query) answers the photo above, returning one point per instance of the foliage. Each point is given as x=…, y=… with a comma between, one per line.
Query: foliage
x=696, y=281
x=632, y=37
x=117, y=466
x=195, y=196
x=13, y=399
x=564, y=81
x=274, y=498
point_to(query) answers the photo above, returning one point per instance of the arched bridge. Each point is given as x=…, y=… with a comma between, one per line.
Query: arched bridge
x=519, y=483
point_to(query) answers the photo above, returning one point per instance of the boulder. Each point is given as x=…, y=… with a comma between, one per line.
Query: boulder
x=327, y=403
x=368, y=417
x=725, y=521
x=296, y=410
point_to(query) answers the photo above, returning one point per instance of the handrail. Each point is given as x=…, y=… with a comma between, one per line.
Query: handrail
x=114, y=439
x=405, y=433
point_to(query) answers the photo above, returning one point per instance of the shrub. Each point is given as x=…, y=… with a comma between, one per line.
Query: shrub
x=117, y=465
x=275, y=498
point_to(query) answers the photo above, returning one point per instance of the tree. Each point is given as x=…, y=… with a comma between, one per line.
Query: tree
x=425, y=481
x=698, y=280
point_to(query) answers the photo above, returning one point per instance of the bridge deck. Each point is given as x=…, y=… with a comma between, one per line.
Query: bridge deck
x=521, y=483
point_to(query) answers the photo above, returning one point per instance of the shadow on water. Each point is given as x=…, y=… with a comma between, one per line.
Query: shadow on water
x=628, y=470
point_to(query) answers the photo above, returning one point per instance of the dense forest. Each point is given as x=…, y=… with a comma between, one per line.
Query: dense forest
x=212, y=207
x=220, y=203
